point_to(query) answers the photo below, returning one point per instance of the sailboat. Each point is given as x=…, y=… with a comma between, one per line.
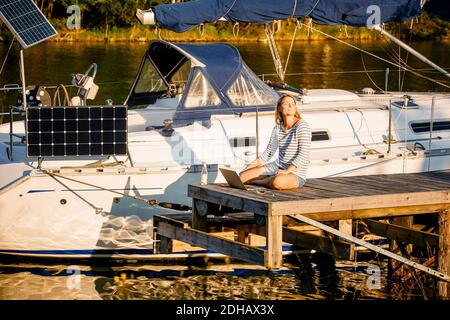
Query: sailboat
x=201, y=106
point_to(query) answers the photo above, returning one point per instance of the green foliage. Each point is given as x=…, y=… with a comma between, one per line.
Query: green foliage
x=115, y=20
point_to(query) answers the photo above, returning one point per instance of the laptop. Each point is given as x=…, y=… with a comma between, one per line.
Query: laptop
x=233, y=179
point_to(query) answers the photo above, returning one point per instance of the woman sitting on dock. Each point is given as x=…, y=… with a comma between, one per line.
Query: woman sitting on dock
x=292, y=138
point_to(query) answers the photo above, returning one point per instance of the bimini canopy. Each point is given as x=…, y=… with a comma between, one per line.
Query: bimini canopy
x=181, y=17
x=210, y=78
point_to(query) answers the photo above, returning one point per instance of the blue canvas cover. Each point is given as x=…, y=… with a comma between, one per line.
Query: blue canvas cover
x=220, y=64
x=181, y=17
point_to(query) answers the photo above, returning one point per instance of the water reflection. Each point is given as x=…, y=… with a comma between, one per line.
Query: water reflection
x=54, y=63
x=301, y=279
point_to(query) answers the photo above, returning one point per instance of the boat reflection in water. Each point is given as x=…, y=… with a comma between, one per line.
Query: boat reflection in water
x=305, y=281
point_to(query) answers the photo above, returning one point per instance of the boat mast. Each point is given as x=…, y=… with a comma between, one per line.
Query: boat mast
x=410, y=50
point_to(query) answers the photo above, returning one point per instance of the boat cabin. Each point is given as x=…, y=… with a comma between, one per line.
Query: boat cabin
x=191, y=82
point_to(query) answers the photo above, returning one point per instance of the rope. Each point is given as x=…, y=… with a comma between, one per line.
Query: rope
x=150, y=202
x=407, y=53
x=294, y=9
x=374, y=55
x=291, y=47
x=274, y=52
x=236, y=30
x=66, y=96
x=364, y=64
x=201, y=29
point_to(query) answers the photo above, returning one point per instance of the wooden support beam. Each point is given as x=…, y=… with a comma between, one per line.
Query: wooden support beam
x=229, y=198
x=376, y=213
x=199, y=215
x=165, y=244
x=403, y=234
x=397, y=270
x=346, y=226
x=370, y=246
x=397, y=200
x=337, y=248
x=222, y=245
x=444, y=253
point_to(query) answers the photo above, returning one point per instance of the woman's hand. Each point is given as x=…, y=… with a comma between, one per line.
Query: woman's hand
x=255, y=163
x=289, y=170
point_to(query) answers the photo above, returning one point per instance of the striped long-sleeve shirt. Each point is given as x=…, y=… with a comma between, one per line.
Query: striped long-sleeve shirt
x=293, y=145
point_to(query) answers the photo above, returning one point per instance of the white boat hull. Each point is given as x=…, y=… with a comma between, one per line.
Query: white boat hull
x=85, y=211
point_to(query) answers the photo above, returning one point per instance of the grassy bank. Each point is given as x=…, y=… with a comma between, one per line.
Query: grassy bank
x=424, y=28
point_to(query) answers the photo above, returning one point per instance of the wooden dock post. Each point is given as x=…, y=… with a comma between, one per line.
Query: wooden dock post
x=274, y=241
x=444, y=253
x=395, y=271
x=346, y=226
x=199, y=214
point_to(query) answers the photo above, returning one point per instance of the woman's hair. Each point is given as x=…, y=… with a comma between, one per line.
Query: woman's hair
x=278, y=115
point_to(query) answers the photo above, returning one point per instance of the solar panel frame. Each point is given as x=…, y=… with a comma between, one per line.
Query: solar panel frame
x=68, y=131
x=28, y=24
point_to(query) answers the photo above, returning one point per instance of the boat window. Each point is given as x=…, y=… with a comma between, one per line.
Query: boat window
x=320, y=136
x=249, y=90
x=201, y=93
x=150, y=80
x=243, y=142
x=401, y=104
x=182, y=74
x=420, y=127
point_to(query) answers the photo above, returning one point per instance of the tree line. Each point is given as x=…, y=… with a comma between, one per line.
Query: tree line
x=98, y=13
x=102, y=15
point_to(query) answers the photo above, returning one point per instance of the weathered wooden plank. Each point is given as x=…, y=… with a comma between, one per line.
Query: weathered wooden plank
x=371, y=184
x=360, y=203
x=418, y=183
x=260, y=206
x=376, y=213
x=444, y=253
x=345, y=188
x=253, y=192
x=440, y=175
x=315, y=193
x=172, y=220
x=403, y=234
x=337, y=248
x=204, y=240
x=426, y=178
x=353, y=186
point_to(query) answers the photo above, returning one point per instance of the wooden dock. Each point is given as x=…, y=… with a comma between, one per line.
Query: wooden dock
x=340, y=199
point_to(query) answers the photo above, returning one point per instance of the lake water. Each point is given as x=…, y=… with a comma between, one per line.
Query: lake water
x=321, y=65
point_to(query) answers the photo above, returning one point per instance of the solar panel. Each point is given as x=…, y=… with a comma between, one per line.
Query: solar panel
x=26, y=21
x=76, y=131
